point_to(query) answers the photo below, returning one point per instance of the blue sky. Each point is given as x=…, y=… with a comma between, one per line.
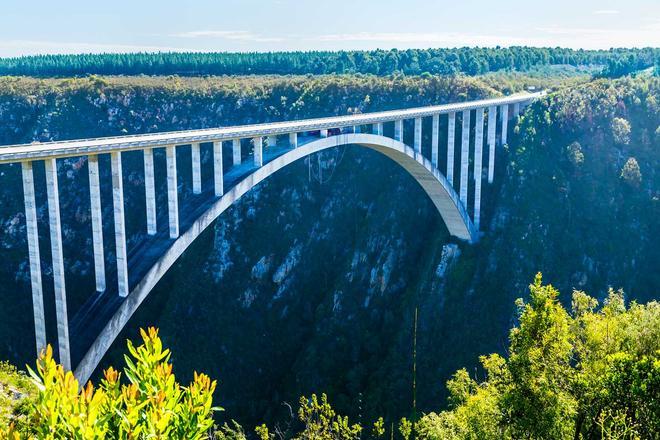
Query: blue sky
x=74, y=26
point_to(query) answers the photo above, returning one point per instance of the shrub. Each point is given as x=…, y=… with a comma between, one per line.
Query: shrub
x=151, y=405
x=631, y=172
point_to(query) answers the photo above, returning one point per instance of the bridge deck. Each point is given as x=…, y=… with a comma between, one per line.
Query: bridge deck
x=17, y=153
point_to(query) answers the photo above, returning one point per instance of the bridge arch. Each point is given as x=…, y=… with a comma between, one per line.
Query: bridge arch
x=436, y=186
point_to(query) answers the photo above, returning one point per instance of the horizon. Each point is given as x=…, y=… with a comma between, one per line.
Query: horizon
x=251, y=26
x=324, y=51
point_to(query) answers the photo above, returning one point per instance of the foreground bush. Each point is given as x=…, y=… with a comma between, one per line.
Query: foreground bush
x=151, y=404
x=589, y=374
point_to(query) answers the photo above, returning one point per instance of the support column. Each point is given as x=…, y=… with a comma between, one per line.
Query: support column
x=323, y=132
x=516, y=109
x=196, y=169
x=272, y=141
x=236, y=151
x=120, y=224
x=58, y=262
x=293, y=140
x=150, y=191
x=451, y=142
x=492, y=127
x=465, y=156
x=378, y=128
x=172, y=191
x=398, y=130
x=97, y=222
x=435, y=140
x=417, y=143
x=34, y=256
x=357, y=129
x=478, y=161
x=218, y=174
x=504, y=114
x=258, y=150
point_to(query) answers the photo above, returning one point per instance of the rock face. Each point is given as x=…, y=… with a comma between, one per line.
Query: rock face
x=310, y=282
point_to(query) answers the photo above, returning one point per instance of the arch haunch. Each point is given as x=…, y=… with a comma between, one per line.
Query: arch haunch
x=429, y=178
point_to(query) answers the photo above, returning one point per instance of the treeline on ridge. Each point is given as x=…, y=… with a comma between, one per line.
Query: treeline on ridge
x=471, y=61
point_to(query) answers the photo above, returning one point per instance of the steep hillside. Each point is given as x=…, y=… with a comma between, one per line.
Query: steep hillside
x=310, y=282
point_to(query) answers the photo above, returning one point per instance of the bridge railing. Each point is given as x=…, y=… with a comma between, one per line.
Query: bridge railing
x=49, y=152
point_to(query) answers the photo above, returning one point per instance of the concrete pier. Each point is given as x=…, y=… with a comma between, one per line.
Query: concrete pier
x=504, y=114
x=378, y=128
x=218, y=179
x=272, y=141
x=196, y=169
x=492, y=139
x=417, y=142
x=465, y=156
x=478, y=162
x=398, y=130
x=257, y=142
x=172, y=191
x=516, y=109
x=451, y=141
x=293, y=140
x=323, y=132
x=120, y=223
x=357, y=129
x=55, y=227
x=435, y=140
x=236, y=158
x=150, y=191
x=34, y=256
x=97, y=221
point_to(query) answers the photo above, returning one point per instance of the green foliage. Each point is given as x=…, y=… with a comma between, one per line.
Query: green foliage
x=262, y=432
x=405, y=428
x=234, y=432
x=151, y=405
x=379, y=428
x=575, y=154
x=590, y=374
x=471, y=61
x=321, y=422
x=631, y=172
x=16, y=394
x=621, y=131
x=537, y=401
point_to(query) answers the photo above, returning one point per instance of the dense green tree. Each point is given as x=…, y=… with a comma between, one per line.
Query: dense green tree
x=590, y=374
x=621, y=131
x=471, y=61
x=631, y=172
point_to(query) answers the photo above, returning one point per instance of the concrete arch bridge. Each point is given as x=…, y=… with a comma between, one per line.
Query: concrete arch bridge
x=446, y=168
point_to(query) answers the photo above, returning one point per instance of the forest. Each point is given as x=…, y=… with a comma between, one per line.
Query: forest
x=469, y=61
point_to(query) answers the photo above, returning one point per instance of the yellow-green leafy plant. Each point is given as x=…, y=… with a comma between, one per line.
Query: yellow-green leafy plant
x=321, y=422
x=150, y=403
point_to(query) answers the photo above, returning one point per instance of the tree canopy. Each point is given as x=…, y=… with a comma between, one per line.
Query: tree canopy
x=470, y=61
